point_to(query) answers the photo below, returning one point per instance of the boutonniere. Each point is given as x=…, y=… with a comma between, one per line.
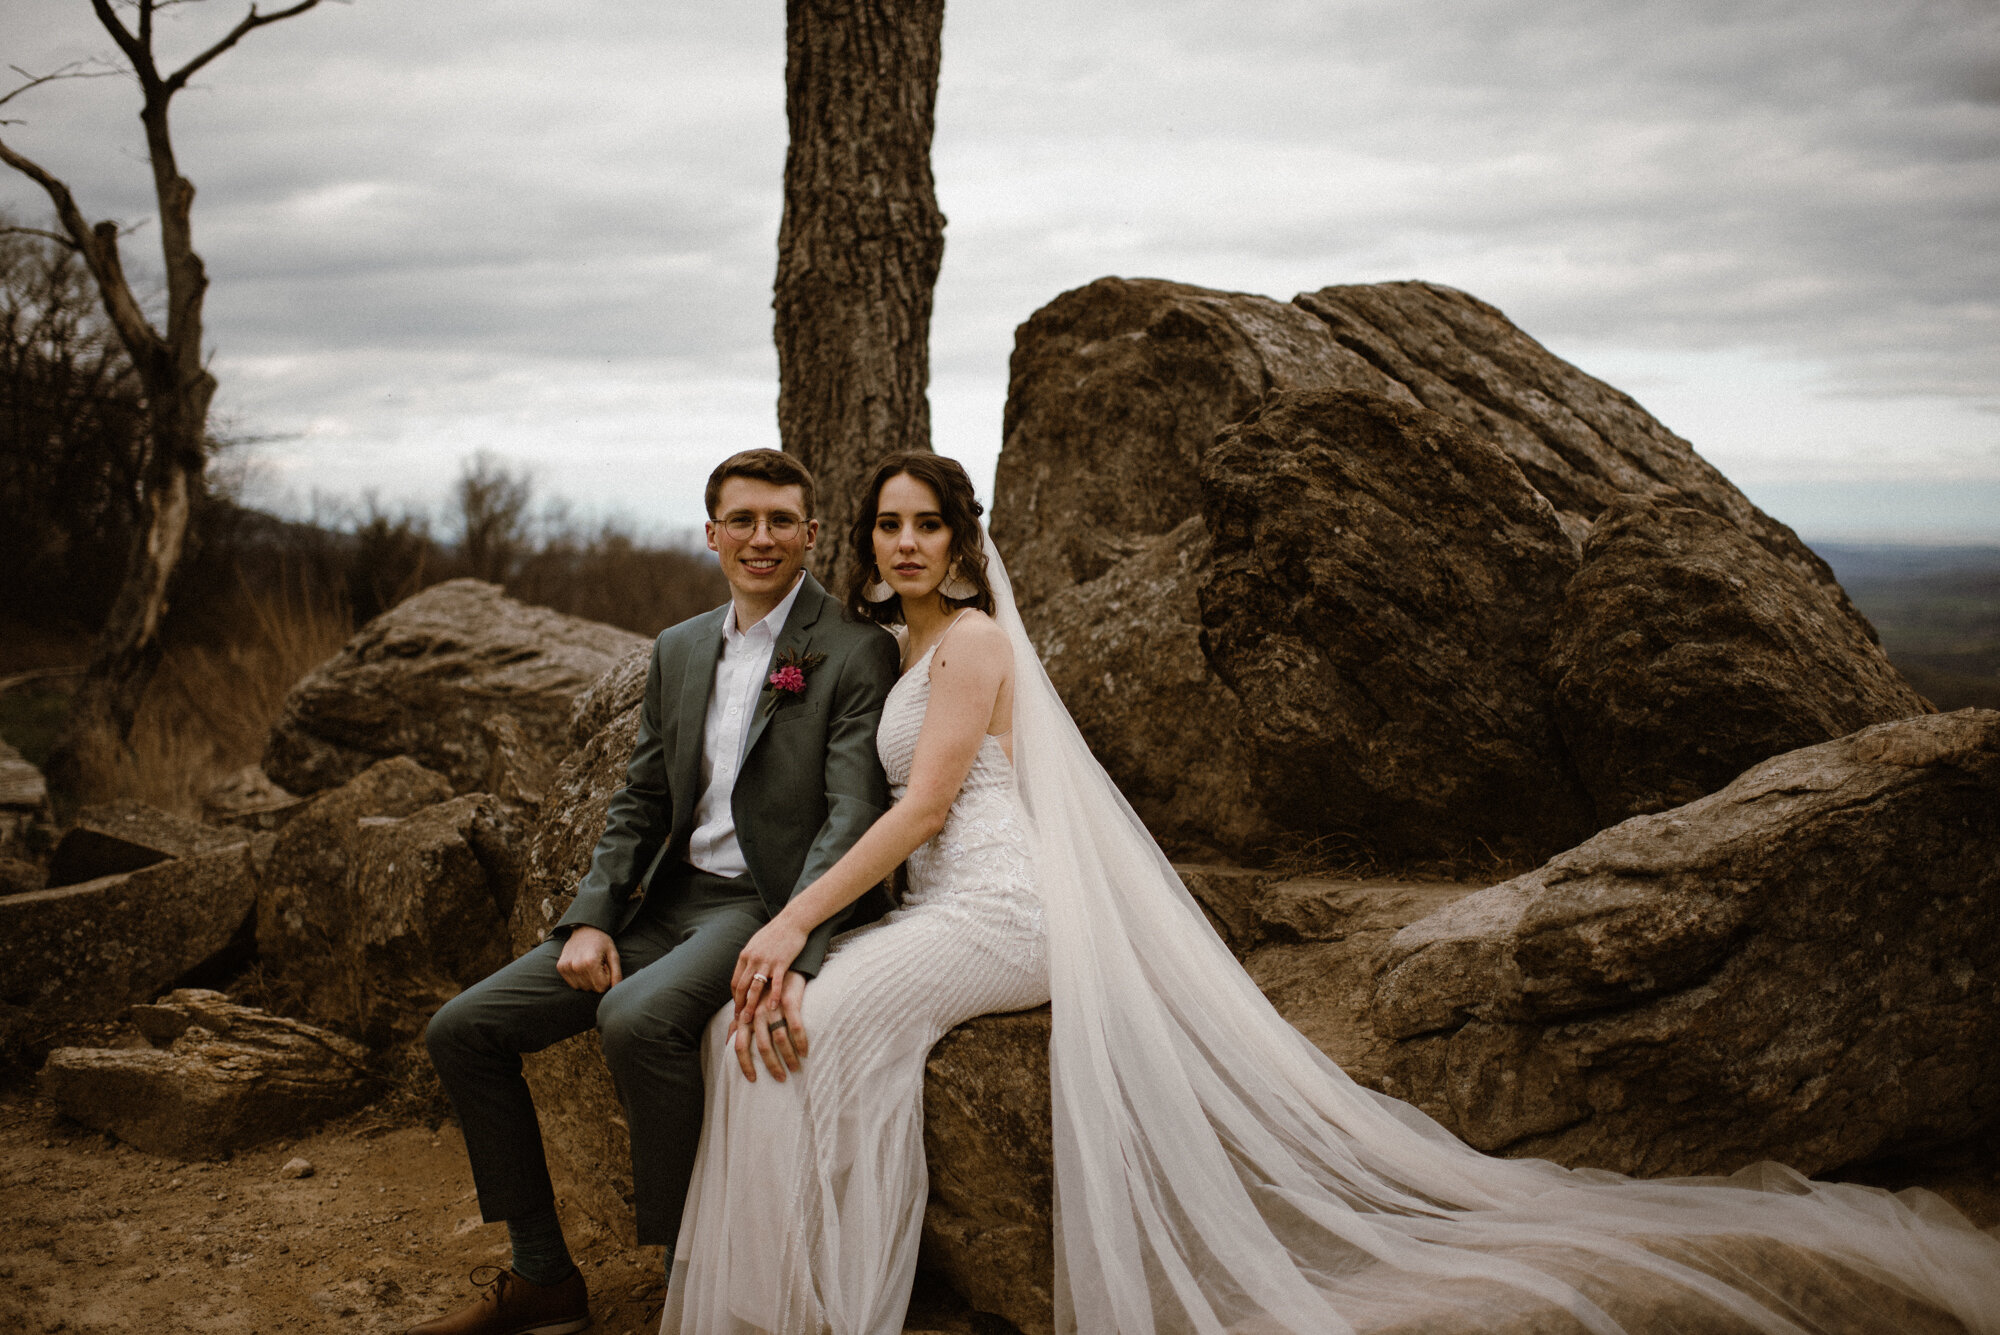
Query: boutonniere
x=788, y=678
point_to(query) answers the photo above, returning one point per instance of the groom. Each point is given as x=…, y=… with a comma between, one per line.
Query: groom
x=746, y=782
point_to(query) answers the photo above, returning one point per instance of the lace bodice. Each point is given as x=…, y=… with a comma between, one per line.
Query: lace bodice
x=982, y=851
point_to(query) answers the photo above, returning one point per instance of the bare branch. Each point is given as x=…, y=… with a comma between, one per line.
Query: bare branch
x=139, y=53
x=250, y=22
x=56, y=237
x=76, y=69
x=99, y=247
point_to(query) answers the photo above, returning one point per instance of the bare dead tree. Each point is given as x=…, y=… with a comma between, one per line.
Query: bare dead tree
x=860, y=245
x=176, y=383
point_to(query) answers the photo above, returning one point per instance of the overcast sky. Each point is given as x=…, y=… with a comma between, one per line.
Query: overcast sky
x=549, y=231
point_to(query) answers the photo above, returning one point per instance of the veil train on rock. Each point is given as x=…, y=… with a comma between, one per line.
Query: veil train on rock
x=1216, y=1173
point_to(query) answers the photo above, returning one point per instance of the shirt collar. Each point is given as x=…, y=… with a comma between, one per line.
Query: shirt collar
x=773, y=622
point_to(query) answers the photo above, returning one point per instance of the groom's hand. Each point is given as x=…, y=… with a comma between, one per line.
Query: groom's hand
x=776, y=1029
x=589, y=961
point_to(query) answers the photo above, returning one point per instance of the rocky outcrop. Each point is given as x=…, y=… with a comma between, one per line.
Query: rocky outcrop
x=1579, y=442
x=125, y=836
x=1118, y=392
x=249, y=799
x=88, y=951
x=384, y=897
x=989, y=1225
x=1124, y=651
x=427, y=679
x=583, y=1125
x=1803, y=966
x=1114, y=392
x=302, y=905
x=1381, y=587
x=221, y=1077
x=1685, y=652
x=426, y=914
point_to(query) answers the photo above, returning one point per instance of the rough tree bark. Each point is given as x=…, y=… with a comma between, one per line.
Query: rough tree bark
x=177, y=385
x=859, y=248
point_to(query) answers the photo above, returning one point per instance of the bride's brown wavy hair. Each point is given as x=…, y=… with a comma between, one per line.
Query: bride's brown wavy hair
x=957, y=506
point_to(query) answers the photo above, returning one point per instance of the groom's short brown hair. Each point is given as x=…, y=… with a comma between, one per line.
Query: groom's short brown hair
x=773, y=466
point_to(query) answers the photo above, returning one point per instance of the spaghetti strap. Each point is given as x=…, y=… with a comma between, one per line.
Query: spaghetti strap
x=947, y=634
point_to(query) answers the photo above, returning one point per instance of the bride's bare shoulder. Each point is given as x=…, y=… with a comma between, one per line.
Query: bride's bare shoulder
x=975, y=637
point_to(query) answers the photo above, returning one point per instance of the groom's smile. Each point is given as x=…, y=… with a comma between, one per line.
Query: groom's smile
x=761, y=534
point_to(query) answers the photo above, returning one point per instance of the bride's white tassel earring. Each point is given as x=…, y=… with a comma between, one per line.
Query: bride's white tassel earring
x=956, y=585
x=876, y=590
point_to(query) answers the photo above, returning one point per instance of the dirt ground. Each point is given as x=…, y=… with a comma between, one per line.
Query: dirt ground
x=98, y=1236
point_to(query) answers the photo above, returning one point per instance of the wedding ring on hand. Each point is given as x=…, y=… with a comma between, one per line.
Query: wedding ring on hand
x=775, y=1025
x=759, y=978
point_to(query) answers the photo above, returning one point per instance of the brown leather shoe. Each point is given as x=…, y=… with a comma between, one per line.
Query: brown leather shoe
x=511, y=1305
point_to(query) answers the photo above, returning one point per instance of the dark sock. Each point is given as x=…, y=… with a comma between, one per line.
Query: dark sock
x=540, y=1255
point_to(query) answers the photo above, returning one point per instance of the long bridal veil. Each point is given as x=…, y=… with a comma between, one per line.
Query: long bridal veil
x=1216, y=1173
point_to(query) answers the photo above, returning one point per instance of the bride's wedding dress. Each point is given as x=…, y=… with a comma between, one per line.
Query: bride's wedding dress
x=1214, y=1171
x=808, y=1196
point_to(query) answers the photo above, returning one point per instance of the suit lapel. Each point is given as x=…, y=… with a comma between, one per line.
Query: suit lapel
x=796, y=638
x=692, y=717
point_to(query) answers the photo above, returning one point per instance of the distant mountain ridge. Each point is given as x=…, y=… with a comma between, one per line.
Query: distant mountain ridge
x=1937, y=610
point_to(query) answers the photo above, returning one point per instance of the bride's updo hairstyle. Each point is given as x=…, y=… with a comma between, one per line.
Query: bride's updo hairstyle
x=957, y=506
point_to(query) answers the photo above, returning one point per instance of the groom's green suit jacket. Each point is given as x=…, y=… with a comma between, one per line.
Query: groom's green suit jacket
x=810, y=781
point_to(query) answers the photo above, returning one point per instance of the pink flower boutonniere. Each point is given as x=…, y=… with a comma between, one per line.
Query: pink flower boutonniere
x=788, y=679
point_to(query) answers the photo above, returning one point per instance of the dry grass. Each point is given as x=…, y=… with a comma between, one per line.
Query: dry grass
x=210, y=707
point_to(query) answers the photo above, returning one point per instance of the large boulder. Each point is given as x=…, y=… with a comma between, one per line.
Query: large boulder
x=1118, y=388
x=221, y=1077
x=1803, y=966
x=1579, y=442
x=306, y=917
x=423, y=915
x=126, y=835
x=1685, y=652
x=427, y=678
x=1118, y=392
x=1381, y=587
x=1124, y=651
x=1114, y=392
x=249, y=799
x=87, y=951
x=989, y=1226
x=588, y=1144
x=386, y=896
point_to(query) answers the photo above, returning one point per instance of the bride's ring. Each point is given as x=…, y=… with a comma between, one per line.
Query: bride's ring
x=759, y=978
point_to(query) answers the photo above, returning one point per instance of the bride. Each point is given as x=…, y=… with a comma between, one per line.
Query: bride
x=1214, y=1171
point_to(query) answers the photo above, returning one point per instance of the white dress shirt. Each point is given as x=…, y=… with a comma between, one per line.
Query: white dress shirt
x=732, y=705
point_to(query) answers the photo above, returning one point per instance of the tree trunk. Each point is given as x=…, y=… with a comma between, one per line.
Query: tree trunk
x=128, y=646
x=859, y=248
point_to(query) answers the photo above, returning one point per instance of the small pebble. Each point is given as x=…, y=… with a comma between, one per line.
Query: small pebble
x=296, y=1167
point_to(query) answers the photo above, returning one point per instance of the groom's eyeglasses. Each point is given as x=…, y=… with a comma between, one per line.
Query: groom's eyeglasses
x=782, y=527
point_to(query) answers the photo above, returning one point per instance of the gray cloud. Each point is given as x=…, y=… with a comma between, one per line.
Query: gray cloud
x=414, y=193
